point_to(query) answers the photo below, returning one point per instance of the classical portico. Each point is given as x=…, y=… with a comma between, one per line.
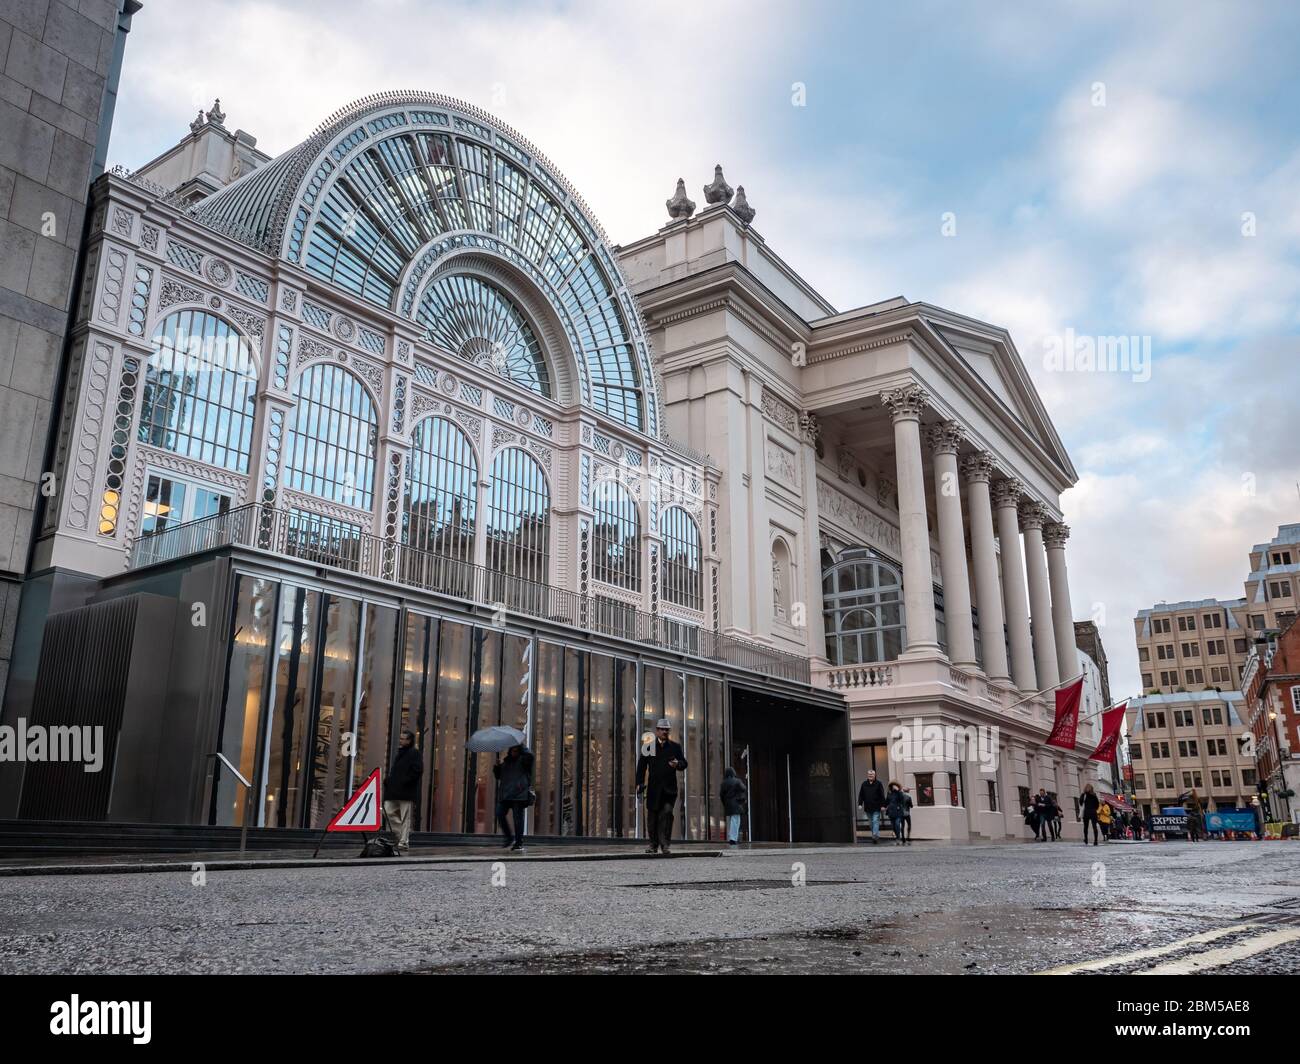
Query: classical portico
x=895, y=472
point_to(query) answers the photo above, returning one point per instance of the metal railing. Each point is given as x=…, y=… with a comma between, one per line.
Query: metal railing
x=279, y=532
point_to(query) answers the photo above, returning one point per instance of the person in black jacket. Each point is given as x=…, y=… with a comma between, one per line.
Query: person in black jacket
x=660, y=764
x=1091, y=803
x=734, y=801
x=896, y=806
x=514, y=792
x=871, y=796
x=402, y=790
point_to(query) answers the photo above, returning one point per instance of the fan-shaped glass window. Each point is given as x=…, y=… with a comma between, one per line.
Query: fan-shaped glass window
x=519, y=521
x=862, y=600
x=683, y=580
x=469, y=317
x=616, y=536
x=200, y=391
x=332, y=437
x=439, y=515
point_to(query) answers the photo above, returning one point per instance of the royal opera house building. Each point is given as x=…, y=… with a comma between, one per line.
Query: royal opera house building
x=385, y=433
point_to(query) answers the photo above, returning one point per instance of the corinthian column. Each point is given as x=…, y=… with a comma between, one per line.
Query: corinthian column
x=905, y=405
x=1067, y=658
x=1006, y=498
x=944, y=439
x=1032, y=518
x=978, y=469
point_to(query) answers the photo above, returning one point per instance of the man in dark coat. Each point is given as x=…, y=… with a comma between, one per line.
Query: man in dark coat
x=871, y=796
x=660, y=763
x=514, y=792
x=734, y=800
x=402, y=789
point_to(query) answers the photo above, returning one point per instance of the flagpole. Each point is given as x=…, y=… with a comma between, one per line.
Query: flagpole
x=1072, y=679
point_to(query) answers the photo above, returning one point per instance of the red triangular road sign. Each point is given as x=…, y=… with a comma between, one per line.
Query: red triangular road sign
x=361, y=812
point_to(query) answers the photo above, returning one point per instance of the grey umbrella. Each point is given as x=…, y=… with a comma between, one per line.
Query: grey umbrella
x=494, y=739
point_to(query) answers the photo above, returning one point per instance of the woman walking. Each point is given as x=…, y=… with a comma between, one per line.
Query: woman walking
x=1090, y=806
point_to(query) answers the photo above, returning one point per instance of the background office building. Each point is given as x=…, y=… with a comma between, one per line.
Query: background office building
x=384, y=433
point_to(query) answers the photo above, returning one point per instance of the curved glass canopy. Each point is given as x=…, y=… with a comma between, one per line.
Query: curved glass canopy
x=469, y=317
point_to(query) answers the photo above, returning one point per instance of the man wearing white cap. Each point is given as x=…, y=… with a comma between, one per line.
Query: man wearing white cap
x=661, y=763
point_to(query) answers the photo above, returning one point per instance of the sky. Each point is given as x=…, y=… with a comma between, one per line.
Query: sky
x=1071, y=171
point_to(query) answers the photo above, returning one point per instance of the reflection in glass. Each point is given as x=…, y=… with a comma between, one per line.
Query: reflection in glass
x=419, y=677
x=439, y=507
x=451, y=714
x=250, y=656
x=332, y=437
x=331, y=761
x=628, y=746
x=862, y=600
x=570, y=748
x=518, y=529
x=616, y=536
x=375, y=710
x=696, y=778
x=716, y=741
x=682, y=577
x=548, y=738
x=285, y=773
x=600, y=748
x=200, y=388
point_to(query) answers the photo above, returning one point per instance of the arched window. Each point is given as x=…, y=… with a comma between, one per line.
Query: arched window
x=862, y=599
x=519, y=519
x=441, y=491
x=616, y=536
x=332, y=437
x=683, y=582
x=200, y=390
x=477, y=321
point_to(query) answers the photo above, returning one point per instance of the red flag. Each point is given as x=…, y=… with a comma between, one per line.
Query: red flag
x=1110, y=722
x=1067, y=715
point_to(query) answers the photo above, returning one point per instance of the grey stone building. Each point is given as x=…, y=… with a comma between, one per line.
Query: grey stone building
x=59, y=66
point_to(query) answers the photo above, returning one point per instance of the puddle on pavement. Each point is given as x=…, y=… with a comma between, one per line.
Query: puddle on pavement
x=971, y=941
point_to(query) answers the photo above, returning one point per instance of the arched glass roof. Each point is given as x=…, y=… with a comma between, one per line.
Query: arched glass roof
x=390, y=188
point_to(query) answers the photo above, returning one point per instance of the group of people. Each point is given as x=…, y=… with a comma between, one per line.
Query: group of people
x=895, y=803
x=1107, y=822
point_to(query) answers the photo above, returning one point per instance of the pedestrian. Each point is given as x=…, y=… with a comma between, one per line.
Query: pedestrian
x=871, y=797
x=1055, y=819
x=734, y=800
x=402, y=790
x=1042, y=814
x=1104, y=814
x=514, y=792
x=907, y=815
x=1136, y=823
x=1258, y=810
x=1091, y=803
x=1192, y=806
x=656, y=778
x=896, y=808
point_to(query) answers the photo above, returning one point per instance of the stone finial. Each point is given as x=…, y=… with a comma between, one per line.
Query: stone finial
x=719, y=191
x=742, y=207
x=197, y=124
x=216, y=116
x=680, y=206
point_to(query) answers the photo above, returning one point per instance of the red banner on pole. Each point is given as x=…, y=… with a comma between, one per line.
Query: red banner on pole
x=1066, y=727
x=1110, y=724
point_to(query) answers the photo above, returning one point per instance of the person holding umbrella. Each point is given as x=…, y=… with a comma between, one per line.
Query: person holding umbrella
x=514, y=777
x=660, y=765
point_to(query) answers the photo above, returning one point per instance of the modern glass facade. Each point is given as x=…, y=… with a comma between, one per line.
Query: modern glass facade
x=318, y=685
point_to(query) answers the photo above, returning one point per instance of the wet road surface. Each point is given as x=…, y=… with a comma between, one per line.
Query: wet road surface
x=1016, y=908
